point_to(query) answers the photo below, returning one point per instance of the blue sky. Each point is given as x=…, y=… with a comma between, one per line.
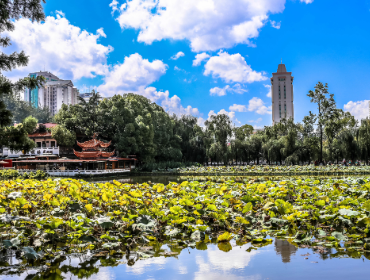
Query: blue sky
x=130, y=46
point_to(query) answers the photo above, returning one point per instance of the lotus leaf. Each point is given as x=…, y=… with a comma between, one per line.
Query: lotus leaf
x=14, y=195
x=105, y=222
x=347, y=212
x=339, y=236
x=30, y=253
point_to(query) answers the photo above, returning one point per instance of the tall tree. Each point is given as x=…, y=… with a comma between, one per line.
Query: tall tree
x=10, y=136
x=325, y=106
x=220, y=127
x=90, y=113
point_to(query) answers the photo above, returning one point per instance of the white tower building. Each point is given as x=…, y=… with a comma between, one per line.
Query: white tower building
x=282, y=94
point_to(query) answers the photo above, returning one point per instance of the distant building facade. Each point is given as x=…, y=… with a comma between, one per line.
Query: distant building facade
x=86, y=96
x=282, y=94
x=53, y=94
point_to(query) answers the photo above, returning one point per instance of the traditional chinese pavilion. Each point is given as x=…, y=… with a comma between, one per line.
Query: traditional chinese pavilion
x=93, y=149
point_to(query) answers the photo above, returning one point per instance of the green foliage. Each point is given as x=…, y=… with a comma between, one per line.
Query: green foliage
x=63, y=136
x=15, y=138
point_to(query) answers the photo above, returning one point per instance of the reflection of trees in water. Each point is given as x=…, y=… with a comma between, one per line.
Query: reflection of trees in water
x=285, y=249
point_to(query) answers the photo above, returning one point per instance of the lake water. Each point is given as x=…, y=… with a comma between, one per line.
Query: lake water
x=279, y=260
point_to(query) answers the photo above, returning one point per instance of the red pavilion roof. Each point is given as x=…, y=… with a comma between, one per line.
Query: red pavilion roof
x=93, y=143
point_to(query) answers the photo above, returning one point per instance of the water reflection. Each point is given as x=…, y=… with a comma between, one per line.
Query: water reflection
x=171, y=260
x=285, y=249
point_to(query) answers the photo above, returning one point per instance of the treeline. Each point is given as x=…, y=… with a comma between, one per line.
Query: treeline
x=22, y=109
x=136, y=126
x=139, y=127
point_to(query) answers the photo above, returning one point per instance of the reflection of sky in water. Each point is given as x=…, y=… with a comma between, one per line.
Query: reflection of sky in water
x=276, y=261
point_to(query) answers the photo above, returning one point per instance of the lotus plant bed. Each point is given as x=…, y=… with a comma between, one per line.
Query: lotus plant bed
x=265, y=170
x=42, y=222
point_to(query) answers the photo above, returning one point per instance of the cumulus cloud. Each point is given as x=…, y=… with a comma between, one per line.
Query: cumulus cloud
x=256, y=121
x=237, y=88
x=133, y=75
x=207, y=24
x=231, y=114
x=59, y=47
x=219, y=91
x=307, y=1
x=199, y=58
x=100, y=31
x=275, y=24
x=269, y=94
x=170, y=104
x=359, y=109
x=258, y=106
x=238, y=108
x=232, y=68
x=177, y=56
x=114, y=6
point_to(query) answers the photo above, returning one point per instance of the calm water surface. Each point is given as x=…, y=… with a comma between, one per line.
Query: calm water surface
x=280, y=260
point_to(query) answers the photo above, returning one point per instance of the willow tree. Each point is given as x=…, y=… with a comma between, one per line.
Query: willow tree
x=364, y=138
x=220, y=127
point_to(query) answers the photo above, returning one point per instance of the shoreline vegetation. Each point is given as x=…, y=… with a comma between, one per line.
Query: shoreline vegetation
x=42, y=222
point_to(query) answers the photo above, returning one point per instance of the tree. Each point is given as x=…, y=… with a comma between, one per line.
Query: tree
x=89, y=115
x=10, y=136
x=220, y=127
x=364, y=138
x=326, y=107
x=21, y=109
x=63, y=136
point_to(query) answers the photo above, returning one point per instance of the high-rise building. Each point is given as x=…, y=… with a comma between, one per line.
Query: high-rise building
x=282, y=94
x=52, y=94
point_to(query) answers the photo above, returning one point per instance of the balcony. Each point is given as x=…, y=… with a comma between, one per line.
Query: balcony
x=34, y=152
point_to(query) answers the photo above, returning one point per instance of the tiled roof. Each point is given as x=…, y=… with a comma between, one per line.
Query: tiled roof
x=44, y=134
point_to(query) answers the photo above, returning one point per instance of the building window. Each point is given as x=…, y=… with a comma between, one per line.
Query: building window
x=284, y=92
x=285, y=109
x=279, y=93
x=279, y=110
x=52, y=144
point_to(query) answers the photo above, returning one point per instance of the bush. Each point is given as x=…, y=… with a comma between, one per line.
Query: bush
x=11, y=173
x=165, y=166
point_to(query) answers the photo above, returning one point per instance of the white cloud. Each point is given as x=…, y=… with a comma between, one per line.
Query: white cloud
x=114, y=6
x=219, y=91
x=177, y=68
x=59, y=47
x=133, y=75
x=307, y=1
x=256, y=121
x=201, y=121
x=199, y=58
x=231, y=114
x=237, y=88
x=258, y=106
x=169, y=104
x=275, y=24
x=269, y=94
x=177, y=56
x=60, y=13
x=232, y=68
x=359, y=109
x=100, y=31
x=238, y=108
x=207, y=24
